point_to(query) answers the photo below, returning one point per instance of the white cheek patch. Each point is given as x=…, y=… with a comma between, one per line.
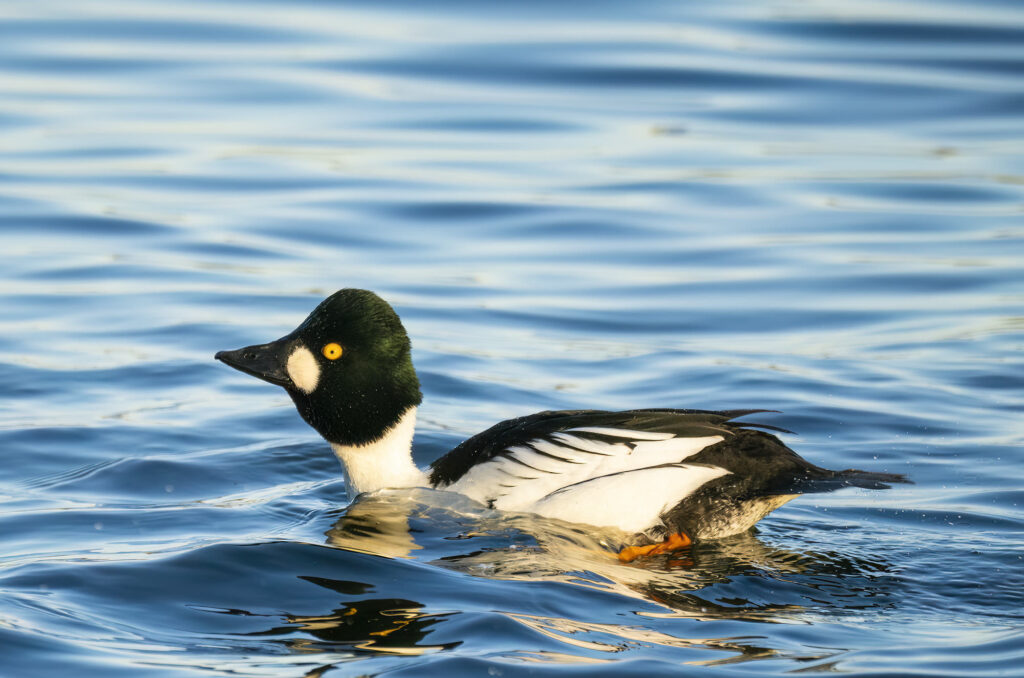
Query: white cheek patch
x=303, y=369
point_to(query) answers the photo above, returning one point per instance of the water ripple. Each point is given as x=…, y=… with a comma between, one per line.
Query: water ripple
x=812, y=208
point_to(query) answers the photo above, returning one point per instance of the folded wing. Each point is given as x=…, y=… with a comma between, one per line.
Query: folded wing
x=620, y=469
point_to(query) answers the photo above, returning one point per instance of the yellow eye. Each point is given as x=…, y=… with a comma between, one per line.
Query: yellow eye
x=331, y=351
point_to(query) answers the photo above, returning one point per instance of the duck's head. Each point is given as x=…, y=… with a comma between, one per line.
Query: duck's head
x=347, y=367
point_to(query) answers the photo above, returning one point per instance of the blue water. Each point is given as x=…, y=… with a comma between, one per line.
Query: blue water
x=811, y=207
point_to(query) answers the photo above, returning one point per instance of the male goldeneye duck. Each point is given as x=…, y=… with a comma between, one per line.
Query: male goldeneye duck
x=667, y=476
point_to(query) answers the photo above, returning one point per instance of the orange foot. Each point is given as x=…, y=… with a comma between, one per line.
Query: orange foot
x=671, y=543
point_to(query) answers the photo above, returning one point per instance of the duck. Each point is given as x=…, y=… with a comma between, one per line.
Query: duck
x=665, y=477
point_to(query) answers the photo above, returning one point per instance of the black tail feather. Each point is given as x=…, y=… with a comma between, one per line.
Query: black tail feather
x=828, y=481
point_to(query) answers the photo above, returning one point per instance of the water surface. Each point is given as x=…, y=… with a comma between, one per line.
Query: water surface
x=814, y=208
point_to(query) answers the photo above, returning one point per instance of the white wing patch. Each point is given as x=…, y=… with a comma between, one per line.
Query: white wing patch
x=631, y=501
x=539, y=473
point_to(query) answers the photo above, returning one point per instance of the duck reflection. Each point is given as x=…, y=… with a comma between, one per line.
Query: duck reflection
x=739, y=577
x=376, y=625
x=378, y=525
x=742, y=578
x=388, y=625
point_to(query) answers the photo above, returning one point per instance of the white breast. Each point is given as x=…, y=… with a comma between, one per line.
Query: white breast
x=384, y=463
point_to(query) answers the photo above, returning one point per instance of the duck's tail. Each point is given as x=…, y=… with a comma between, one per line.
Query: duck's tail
x=824, y=480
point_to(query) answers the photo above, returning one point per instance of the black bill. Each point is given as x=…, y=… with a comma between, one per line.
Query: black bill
x=264, y=361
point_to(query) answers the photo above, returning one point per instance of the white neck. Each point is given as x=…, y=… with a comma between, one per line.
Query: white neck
x=384, y=463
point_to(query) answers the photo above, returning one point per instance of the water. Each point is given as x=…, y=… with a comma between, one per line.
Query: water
x=809, y=207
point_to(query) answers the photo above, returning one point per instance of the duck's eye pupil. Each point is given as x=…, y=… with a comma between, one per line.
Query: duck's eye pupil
x=332, y=351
